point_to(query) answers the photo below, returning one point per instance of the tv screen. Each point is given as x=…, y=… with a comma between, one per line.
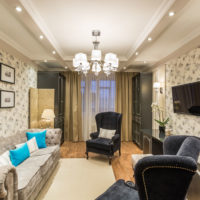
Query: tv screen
x=186, y=98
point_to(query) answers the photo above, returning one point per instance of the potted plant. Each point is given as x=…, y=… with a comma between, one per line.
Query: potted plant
x=161, y=121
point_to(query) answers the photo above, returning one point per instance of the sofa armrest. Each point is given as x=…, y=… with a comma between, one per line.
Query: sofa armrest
x=94, y=135
x=8, y=183
x=53, y=137
x=164, y=177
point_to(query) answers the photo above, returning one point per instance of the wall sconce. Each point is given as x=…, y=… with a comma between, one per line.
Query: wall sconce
x=157, y=87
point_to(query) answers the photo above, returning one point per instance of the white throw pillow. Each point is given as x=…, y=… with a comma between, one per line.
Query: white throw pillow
x=5, y=159
x=106, y=133
x=32, y=145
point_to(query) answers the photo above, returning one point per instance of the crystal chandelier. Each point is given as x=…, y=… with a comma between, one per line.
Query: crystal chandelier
x=109, y=65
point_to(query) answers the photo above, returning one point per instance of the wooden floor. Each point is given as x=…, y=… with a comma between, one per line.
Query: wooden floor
x=122, y=166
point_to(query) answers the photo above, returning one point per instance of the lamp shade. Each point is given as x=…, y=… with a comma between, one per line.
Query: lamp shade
x=80, y=59
x=111, y=58
x=48, y=114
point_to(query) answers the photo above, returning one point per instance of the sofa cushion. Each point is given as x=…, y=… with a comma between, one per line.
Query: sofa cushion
x=26, y=173
x=101, y=143
x=40, y=138
x=45, y=151
x=28, y=168
x=34, y=169
x=19, y=155
x=5, y=159
x=32, y=145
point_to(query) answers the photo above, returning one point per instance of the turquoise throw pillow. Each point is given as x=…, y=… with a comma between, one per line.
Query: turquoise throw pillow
x=40, y=138
x=20, y=154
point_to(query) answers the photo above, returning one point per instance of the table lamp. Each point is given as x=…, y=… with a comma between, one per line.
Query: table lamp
x=48, y=116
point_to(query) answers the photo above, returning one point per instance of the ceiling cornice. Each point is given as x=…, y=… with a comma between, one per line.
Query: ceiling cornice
x=15, y=45
x=161, y=11
x=9, y=48
x=184, y=47
x=28, y=5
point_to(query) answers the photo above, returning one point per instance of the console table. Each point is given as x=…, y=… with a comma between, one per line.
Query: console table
x=152, y=141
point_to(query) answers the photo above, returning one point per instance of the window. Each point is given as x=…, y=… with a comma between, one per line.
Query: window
x=98, y=95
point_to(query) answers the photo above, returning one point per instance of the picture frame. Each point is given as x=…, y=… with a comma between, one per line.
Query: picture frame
x=7, y=99
x=7, y=73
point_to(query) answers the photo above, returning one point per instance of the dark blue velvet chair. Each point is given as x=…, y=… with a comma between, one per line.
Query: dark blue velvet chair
x=106, y=120
x=161, y=177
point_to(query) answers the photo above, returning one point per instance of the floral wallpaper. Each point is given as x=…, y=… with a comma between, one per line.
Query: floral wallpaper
x=184, y=69
x=15, y=119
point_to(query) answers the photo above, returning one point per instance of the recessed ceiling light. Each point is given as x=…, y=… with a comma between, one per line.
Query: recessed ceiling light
x=136, y=53
x=66, y=67
x=124, y=67
x=171, y=14
x=18, y=9
x=41, y=37
x=45, y=60
x=149, y=39
x=53, y=52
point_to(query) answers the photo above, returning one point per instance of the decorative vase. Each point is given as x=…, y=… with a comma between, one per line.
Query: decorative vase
x=162, y=130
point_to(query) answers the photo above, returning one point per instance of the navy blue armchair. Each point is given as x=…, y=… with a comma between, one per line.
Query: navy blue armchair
x=111, y=121
x=161, y=177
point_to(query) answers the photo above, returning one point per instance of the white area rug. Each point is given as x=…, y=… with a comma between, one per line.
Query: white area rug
x=78, y=179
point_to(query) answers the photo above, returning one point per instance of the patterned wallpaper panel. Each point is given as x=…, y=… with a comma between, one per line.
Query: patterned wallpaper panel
x=184, y=69
x=14, y=119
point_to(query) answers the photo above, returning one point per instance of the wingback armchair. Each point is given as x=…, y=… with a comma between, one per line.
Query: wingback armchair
x=111, y=121
x=157, y=177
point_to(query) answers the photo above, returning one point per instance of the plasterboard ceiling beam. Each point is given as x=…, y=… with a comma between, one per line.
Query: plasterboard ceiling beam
x=34, y=29
x=178, y=52
x=164, y=22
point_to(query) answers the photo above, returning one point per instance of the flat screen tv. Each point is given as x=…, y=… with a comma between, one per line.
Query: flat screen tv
x=186, y=98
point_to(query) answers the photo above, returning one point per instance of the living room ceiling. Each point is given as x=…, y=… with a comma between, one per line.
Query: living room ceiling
x=125, y=26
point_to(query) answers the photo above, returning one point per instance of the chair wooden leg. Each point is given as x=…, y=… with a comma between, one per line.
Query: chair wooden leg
x=87, y=156
x=119, y=151
x=109, y=158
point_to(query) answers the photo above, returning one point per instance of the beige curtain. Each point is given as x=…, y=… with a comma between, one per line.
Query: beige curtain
x=98, y=95
x=73, y=110
x=124, y=102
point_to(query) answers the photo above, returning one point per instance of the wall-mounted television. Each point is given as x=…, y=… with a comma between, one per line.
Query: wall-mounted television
x=186, y=98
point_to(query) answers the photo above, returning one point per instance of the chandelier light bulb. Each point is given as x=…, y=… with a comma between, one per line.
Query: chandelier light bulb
x=171, y=14
x=41, y=37
x=18, y=9
x=149, y=39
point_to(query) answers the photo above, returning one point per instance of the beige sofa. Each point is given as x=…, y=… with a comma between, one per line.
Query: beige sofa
x=25, y=181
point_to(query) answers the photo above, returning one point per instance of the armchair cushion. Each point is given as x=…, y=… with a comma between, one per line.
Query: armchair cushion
x=106, y=133
x=100, y=143
x=190, y=147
